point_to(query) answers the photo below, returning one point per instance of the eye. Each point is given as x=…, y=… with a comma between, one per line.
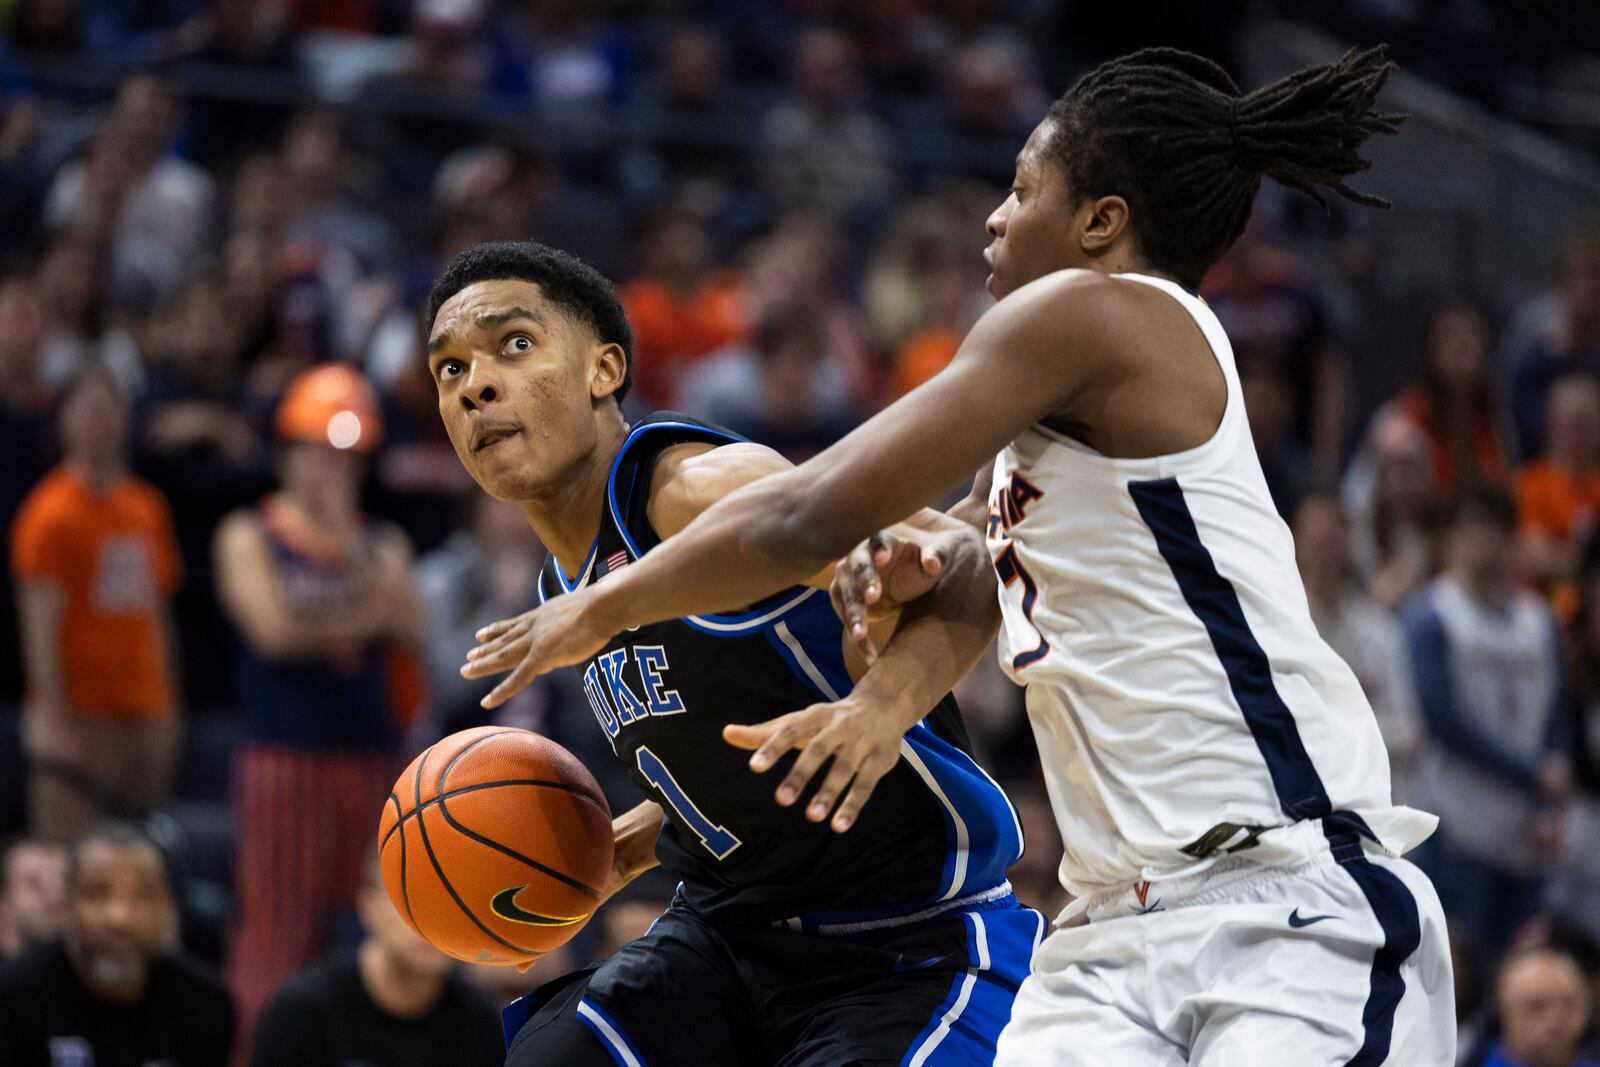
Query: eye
x=516, y=344
x=449, y=368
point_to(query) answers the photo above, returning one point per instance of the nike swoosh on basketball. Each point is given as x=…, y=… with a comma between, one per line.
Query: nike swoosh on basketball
x=504, y=905
x=901, y=966
x=1297, y=922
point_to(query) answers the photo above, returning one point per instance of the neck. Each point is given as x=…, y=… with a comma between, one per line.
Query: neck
x=99, y=472
x=123, y=993
x=1126, y=263
x=399, y=990
x=1484, y=588
x=567, y=518
x=315, y=511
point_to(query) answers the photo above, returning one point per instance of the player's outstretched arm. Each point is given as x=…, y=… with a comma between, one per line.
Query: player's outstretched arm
x=894, y=567
x=940, y=637
x=1027, y=358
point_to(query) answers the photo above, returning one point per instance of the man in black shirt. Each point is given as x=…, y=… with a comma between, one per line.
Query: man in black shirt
x=397, y=1002
x=112, y=992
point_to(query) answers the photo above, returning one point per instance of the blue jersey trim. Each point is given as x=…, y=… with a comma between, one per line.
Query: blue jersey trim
x=583, y=571
x=965, y=1028
x=1396, y=911
x=729, y=625
x=1301, y=793
x=983, y=834
x=612, y=1036
x=514, y=1016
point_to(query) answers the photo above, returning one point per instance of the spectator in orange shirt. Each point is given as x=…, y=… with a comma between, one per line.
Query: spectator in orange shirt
x=1558, y=496
x=96, y=564
x=682, y=307
x=1454, y=404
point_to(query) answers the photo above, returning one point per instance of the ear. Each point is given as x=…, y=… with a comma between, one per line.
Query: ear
x=1104, y=221
x=609, y=369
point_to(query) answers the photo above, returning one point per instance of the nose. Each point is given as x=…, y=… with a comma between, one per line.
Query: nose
x=481, y=387
x=996, y=224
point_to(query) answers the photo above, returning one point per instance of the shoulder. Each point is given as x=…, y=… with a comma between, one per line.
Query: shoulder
x=689, y=478
x=194, y=980
x=149, y=500
x=240, y=529
x=33, y=968
x=469, y=1000
x=1093, y=314
x=1537, y=478
x=307, y=992
x=390, y=540
x=48, y=501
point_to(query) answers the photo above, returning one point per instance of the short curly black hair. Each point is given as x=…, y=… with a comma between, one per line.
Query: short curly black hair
x=566, y=281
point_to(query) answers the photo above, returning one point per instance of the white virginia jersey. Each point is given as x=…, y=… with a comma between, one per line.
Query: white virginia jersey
x=1183, y=703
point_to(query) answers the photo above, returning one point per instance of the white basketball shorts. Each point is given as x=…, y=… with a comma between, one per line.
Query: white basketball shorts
x=1342, y=960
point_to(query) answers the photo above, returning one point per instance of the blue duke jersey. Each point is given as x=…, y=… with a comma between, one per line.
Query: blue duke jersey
x=938, y=833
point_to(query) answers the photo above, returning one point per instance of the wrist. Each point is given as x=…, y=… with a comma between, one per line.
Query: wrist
x=609, y=606
x=883, y=702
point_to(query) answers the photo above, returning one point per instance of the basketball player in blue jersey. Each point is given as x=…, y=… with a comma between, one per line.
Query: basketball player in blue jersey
x=786, y=944
x=1219, y=779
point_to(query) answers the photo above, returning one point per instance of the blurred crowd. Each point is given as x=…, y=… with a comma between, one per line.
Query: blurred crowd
x=226, y=636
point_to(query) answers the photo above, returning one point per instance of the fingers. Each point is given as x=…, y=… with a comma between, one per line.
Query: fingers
x=775, y=737
x=514, y=683
x=817, y=751
x=865, y=561
x=504, y=639
x=868, y=775
x=849, y=583
x=748, y=737
x=881, y=544
x=836, y=782
x=484, y=663
x=495, y=629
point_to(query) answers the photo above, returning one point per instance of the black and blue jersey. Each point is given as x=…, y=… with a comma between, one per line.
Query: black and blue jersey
x=938, y=833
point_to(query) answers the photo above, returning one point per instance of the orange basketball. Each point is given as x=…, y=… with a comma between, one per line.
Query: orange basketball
x=496, y=845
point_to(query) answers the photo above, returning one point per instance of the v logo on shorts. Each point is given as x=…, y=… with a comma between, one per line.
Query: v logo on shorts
x=1297, y=922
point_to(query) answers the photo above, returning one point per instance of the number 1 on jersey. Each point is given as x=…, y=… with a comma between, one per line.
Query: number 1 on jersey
x=716, y=839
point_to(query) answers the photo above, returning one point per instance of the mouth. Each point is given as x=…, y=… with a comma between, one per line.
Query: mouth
x=489, y=437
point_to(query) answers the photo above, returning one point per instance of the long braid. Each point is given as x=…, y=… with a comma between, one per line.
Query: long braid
x=1170, y=132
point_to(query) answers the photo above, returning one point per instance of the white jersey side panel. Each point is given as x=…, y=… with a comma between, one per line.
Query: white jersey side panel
x=1177, y=686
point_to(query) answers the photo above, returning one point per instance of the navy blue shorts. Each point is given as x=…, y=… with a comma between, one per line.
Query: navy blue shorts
x=690, y=992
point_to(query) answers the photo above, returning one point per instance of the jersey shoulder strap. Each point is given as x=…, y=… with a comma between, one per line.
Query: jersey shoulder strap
x=625, y=531
x=626, y=526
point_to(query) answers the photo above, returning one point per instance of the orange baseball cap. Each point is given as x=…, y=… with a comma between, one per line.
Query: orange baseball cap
x=331, y=404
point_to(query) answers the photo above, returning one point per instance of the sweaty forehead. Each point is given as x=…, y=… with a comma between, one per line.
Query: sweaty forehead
x=492, y=303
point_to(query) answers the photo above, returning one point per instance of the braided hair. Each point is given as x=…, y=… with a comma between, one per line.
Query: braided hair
x=1170, y=132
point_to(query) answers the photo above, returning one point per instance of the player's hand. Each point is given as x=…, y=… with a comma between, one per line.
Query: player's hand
x=882, y=574
x=557, y=634
x=861, y=742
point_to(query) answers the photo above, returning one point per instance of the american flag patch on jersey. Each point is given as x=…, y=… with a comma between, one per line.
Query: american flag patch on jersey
x=617, y=560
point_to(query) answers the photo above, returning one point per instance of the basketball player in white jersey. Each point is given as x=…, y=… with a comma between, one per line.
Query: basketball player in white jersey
x=1218, y=776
